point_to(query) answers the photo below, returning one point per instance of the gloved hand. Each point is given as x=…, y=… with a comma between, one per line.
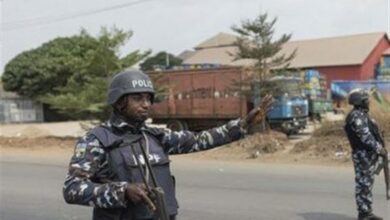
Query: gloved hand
x=257, y=114
x=136, y=193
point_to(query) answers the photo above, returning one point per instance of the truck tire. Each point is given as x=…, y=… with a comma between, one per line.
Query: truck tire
x=318, y=117
x=177, y=125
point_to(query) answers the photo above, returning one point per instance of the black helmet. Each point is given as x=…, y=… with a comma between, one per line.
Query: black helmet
x=129, y=81
x=358, y=97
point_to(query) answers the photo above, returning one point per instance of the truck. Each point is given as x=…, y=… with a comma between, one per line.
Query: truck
x=289, y=112
x=382, y=69
x=198, y=99
x=341, y=88
x=317, y=93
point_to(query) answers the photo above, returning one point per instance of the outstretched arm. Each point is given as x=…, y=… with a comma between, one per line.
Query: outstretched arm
x=179, y=142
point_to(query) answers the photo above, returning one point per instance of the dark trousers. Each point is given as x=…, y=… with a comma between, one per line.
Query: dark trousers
x=364, y=164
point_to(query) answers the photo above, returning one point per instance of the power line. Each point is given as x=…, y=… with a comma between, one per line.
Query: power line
x=52, y=19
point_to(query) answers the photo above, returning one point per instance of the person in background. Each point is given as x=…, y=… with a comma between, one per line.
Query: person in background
x=365, y=151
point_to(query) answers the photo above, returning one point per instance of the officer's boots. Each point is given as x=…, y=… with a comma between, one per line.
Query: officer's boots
x=368, y=216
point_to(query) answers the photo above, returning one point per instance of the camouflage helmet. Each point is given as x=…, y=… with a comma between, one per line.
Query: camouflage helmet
x=358, y=97
x=128, y=82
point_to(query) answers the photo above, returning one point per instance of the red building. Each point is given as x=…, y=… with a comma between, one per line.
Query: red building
x=351, y=57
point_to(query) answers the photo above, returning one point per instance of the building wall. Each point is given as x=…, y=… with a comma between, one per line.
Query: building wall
x=356, y=72
x=367, y=69
x=18, y=110
x=340, y=73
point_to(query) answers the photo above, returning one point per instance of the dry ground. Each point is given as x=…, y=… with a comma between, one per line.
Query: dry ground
x=329, y=141
x=270, y=147
x=323, y=143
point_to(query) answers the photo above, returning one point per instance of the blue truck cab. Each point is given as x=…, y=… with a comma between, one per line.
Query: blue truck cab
x=289, y=112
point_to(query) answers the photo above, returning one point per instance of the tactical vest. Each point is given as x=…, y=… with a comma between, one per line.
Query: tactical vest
x=354, y=140
x=123, y=167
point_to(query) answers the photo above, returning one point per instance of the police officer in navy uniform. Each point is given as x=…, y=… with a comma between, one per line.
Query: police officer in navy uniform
x=103, y=171
x=365, y=151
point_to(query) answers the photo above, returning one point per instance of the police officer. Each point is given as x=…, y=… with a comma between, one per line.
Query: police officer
x=365, y=151
x=103, y=171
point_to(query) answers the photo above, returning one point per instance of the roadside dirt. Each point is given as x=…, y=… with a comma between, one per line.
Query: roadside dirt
x=321, y=143
x=269, y=147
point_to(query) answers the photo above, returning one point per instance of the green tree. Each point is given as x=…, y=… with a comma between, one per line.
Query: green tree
x=161, y=60
x=36, y=72
x=256, y=42
x=71, y=74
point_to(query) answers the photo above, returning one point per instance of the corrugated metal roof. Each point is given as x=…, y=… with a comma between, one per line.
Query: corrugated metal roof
x=186, y=54
x=217, y=55
x=332, y=51
x=219, y=40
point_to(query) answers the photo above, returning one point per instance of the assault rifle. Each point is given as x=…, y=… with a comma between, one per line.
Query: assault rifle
x=156, y=192
x=385, y=160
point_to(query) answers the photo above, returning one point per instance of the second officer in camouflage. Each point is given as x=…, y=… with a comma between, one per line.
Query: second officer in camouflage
x=365, y=151
x=103, y=170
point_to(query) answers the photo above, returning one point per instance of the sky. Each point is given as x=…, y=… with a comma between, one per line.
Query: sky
x=178, y=25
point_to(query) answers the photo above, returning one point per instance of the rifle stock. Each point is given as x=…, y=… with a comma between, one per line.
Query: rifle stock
x=387, y=177
x=386, y=172
x=159, y=199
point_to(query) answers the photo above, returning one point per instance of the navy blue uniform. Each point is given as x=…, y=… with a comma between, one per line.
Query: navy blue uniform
x=365, y=152
x=100, y=172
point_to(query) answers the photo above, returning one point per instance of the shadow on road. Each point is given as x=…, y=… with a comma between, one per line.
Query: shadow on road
x=325, y=216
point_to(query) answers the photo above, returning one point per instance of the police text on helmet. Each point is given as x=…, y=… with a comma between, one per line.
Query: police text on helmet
x=141, y=83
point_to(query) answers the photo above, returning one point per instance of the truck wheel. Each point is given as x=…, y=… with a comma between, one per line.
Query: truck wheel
x=177, y=125
x=319, y=117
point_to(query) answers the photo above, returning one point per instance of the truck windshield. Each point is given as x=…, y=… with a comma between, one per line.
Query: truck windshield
x=279, y=87
x=292, y=87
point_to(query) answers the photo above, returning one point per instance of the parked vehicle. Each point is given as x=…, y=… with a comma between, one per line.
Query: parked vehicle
x=203, y=98
x=341, y=88
x=382, y=69
x=196, y=99
x=290, y=110
x=317, y=93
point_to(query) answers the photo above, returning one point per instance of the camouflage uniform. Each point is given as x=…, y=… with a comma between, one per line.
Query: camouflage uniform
x=89, y=180
x=365, y=150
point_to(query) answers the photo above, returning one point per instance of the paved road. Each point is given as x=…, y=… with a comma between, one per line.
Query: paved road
x=206, y=190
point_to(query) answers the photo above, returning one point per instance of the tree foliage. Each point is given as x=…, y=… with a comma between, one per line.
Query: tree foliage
x=39, y=71
x=161, y=60
x=71, y=74
x=256, y=42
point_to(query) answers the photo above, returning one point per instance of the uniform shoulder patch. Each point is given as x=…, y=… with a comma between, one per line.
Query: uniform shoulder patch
x=358, y=122
x=80, y=149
